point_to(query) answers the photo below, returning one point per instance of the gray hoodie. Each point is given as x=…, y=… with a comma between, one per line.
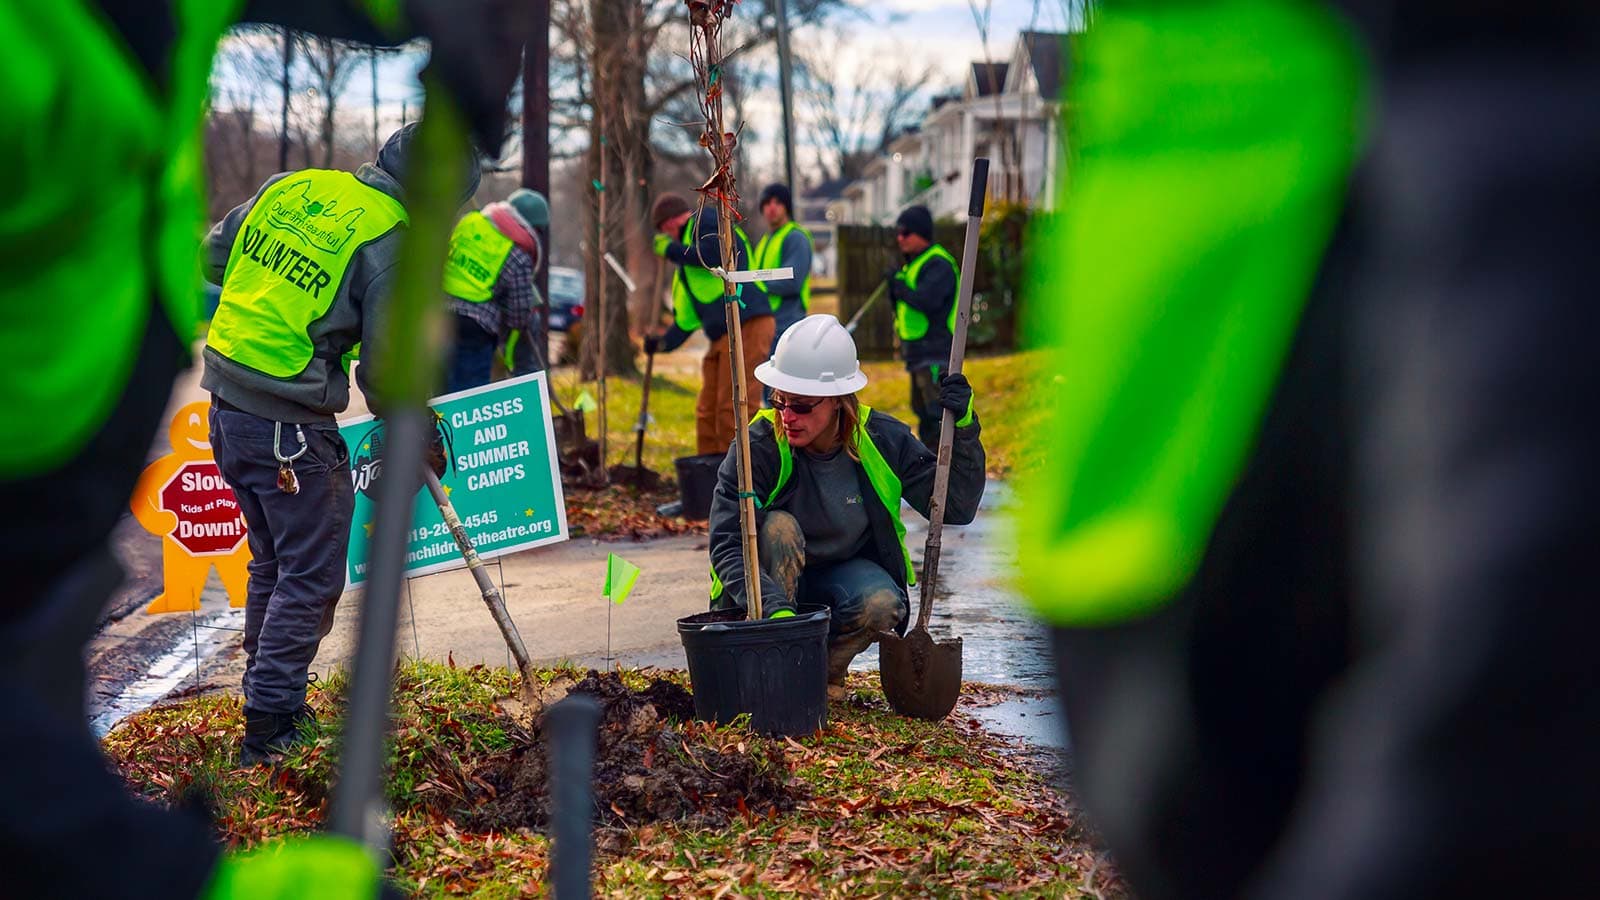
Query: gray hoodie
x=356, y=316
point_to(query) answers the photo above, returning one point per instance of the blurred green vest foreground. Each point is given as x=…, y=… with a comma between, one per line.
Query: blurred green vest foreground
x=1213, y=142
x=85, y=245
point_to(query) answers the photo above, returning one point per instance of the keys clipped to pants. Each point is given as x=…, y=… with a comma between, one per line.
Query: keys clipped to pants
x=288, y=482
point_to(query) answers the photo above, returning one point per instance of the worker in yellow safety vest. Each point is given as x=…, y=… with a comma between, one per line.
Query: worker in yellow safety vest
x=924, y=293
x=489, y=283
x=690, y=239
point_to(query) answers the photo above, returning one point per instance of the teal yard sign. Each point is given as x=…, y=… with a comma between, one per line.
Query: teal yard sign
x=500, y=476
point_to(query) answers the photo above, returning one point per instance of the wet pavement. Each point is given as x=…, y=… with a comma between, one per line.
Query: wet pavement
x=1001, y=643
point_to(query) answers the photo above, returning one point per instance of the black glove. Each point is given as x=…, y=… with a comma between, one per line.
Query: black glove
x=890, y=273
x=955, y=394
x=477, y=54
x=652, y=344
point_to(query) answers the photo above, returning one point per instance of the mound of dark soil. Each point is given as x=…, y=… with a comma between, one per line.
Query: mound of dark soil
x=652, y=763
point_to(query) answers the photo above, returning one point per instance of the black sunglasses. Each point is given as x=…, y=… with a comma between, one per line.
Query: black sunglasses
x=903, y=232
x=798, y=407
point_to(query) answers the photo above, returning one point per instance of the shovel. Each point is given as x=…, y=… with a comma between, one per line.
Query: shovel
x=921, y=676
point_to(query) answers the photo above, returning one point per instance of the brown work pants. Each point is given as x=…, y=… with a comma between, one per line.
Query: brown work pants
x=714, y=418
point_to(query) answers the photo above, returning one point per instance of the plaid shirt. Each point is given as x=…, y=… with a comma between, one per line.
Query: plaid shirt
x=511, y=306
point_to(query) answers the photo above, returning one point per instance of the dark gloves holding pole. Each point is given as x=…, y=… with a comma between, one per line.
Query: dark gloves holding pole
x=955, y=394
x=652, y=344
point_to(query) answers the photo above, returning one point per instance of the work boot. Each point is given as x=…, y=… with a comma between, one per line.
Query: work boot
x=267, y=736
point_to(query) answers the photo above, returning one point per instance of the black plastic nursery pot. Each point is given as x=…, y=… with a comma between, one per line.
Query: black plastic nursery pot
x=697, y=480
x=774, y=669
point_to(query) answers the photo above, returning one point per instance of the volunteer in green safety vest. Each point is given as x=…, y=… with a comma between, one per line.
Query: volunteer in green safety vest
x=785, y=245
x=829, y=473
x=489, y=283
x=97, y=246
x=306, y=268
x=690, y=239
x=924, y=294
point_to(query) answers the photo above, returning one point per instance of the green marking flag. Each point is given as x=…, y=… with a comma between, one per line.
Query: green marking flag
x=620, y=576
x=586, y=402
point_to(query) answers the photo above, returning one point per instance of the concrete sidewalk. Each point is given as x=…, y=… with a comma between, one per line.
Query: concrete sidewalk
x=553, y=595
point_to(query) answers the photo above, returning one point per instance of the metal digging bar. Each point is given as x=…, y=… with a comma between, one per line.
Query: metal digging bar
x=491, y=594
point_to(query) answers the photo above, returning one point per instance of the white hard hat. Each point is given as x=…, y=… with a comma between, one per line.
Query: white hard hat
x=816, y=357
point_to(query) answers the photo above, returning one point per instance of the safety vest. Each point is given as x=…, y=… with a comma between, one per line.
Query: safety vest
x=87, y=255
x=1171, y=355
x=909, y=321
x=885, y=483
x=696, y=284
x=769, y=255
x=288, y=263
x=478, y=252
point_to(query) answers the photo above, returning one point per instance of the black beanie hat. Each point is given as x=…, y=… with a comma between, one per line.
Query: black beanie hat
x=917, y=220
x=396, y=153
x=780, y=193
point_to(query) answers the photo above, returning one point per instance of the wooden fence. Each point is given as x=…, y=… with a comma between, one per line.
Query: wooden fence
x=866, y=252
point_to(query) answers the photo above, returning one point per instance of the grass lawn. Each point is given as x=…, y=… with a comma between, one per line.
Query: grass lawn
x=873, y=805
x=1001, y=384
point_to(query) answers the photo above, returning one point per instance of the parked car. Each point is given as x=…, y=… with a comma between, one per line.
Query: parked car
x=566, y=297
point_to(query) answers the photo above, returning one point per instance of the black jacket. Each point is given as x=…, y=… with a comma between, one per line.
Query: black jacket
x=706, y=252
x=905, y=454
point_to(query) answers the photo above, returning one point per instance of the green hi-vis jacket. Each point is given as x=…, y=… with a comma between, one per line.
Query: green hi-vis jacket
x=894, y=466
x=1175, y=279
x=769, y=255
x=306, y=267
x=697, y=291
x=88, y=246
x=911, y=323
x=478, y=252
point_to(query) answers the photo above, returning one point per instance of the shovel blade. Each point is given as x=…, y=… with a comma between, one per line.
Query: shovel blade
x=920, y=676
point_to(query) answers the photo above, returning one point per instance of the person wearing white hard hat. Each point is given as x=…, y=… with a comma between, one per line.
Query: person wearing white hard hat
x=829, y=474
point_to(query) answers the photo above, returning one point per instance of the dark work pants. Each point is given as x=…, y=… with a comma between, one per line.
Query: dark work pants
x=862, y=597
x=472, y=362
x=1381, y=683
x=925, y=404
x=298, y=544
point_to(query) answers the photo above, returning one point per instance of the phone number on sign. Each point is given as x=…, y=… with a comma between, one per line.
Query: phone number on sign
x=440, y=529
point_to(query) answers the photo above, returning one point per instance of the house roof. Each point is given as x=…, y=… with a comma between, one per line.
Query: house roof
x=832, y=189
x=1048, y=57
x=988, y=79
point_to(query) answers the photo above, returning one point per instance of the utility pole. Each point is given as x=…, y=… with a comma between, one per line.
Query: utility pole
x=283, y=123
x=536, y=141
x=786, y=92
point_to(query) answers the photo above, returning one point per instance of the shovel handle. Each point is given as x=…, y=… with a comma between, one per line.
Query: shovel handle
x=947, y=423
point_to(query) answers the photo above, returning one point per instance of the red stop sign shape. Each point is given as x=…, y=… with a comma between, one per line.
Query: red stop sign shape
x=209, y=520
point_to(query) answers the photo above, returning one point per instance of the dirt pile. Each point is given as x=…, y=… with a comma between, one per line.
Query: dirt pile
x=652, y=763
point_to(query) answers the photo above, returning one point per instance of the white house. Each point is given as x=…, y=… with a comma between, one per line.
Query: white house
x=1009, y=112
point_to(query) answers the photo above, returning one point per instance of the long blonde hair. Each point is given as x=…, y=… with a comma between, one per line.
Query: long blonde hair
x=849, y=422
